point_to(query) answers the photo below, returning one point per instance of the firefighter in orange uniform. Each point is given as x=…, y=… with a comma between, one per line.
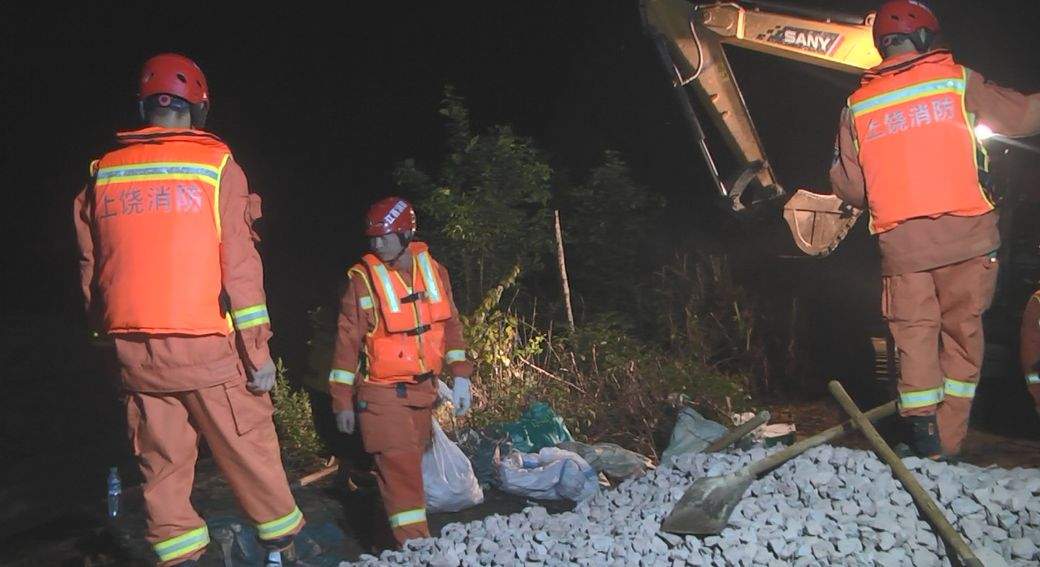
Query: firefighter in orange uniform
x=907, y=152
x=170, y=270
x=397, y=310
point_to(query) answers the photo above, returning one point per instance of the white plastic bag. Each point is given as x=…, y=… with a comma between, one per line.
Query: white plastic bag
x=448, y=478
x=551, y=474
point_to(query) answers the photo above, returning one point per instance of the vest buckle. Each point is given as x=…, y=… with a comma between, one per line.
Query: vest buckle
x=419, y=379
x=418, y=330
x=413, y=297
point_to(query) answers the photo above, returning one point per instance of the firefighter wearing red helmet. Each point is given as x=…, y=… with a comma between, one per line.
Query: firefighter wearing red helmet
x=171, y=272
x=398, y=311
x=899, y=21
x=907, y=152
x=174, y=82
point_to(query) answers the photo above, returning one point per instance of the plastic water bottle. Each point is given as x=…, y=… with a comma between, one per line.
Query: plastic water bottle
x=115, y=490
x=274, y=559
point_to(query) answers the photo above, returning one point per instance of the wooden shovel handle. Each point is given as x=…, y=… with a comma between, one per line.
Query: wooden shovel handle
x=781, y=457
x=737, y=433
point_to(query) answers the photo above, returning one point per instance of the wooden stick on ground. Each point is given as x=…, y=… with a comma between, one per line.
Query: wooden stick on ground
x=319, y=474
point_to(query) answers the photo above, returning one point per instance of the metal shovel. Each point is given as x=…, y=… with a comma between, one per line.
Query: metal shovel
x=706, y=506
x=925, y=503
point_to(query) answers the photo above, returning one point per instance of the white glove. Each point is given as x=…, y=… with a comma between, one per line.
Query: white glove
x=460, y=395
x=345, y=421
x=262, y=380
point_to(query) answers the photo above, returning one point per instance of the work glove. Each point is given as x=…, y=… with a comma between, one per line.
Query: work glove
x=262, y=380
x=460, y=395
x=443, y=393
x=345, y=421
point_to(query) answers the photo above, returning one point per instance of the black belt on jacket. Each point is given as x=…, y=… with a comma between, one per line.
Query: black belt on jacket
x=402, y=387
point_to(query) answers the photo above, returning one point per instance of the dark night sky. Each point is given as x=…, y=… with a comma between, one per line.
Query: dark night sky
x=318, y=107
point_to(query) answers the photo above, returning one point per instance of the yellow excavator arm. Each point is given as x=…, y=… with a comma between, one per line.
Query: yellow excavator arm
x=689, y=39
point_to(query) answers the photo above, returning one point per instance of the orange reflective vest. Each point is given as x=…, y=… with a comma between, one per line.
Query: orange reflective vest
x=408, y=337
x=916, y=142
x=157, y=222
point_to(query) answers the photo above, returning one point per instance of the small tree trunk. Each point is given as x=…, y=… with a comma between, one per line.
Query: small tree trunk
x=563, y=271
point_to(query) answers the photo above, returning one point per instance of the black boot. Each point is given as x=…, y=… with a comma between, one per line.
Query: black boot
x=924, y=436
x=279, y=552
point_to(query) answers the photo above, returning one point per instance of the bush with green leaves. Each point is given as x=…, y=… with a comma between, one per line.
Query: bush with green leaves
x=609, y=223
x=605, y=383
x=294, y=422
x=487, y=207
x=646, y=336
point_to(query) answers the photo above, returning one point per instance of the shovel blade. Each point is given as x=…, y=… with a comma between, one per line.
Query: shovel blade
x=706, y=506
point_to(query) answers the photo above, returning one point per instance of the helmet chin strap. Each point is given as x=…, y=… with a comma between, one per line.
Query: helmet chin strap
x=404, y=241
x=922, y=40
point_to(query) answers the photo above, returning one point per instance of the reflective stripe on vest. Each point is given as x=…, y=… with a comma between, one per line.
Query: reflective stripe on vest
x=409, y=340
x=917, y=144
x=156, y=211
x=433, y=289
x=392, y=291
x=907, y=94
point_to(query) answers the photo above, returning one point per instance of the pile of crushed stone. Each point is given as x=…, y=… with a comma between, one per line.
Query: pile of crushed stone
x=830, y=506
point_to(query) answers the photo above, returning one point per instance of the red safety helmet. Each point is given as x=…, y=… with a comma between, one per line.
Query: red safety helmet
x=904, y=17
x=389, y=215
x=173, y=74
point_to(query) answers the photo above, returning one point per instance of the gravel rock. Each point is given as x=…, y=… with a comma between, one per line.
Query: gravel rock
x=1023, y=549
x=830, y=506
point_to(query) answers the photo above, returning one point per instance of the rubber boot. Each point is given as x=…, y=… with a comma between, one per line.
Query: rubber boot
x=279, y=552
x=924, y=436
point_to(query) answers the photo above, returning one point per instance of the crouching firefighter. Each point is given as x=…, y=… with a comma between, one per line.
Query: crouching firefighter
x=397, y=310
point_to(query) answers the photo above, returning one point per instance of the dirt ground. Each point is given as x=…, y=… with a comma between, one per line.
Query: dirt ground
x=983, y=448
x=341, y=525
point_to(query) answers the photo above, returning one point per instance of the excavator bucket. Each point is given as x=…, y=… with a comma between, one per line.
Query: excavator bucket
x=818, y=223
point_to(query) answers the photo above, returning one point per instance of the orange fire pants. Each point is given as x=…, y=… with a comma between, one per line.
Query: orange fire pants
x=237, y=426
x=936, y=320
x=396, y=428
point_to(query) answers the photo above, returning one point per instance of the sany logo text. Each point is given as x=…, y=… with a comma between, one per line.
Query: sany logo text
x=809, y=40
